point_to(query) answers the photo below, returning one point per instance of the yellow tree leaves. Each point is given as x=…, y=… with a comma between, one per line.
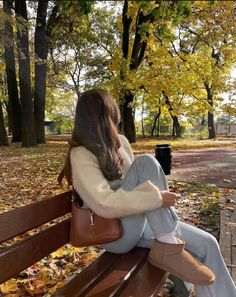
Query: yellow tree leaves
x=180, y=58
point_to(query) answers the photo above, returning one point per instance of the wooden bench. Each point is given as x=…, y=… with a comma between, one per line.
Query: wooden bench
x=109, y=275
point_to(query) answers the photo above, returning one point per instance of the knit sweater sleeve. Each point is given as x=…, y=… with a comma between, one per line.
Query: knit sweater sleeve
x=126, y=145
x=95, y=190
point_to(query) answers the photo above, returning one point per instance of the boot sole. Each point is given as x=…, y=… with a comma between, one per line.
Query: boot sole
x=175, y=273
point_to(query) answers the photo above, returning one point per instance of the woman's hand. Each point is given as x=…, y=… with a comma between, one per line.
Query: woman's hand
x=169, y=198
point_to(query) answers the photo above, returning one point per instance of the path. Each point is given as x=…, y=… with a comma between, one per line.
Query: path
x=215, y=166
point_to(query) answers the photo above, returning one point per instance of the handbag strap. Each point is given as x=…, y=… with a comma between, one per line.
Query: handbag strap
x=76, y=198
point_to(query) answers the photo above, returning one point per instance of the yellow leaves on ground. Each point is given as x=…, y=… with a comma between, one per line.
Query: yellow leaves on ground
x=9, y=286
x=199, y=205
x=28, y=175
x=147, y=145
x=59, y=253
x=48, y=275
x=35, y=288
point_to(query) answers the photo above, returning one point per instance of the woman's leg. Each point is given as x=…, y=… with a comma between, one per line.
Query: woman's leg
x=164, y=220
x=198, y=242
x=146, y=167
x=204, y=247
x=133, y=227
x=171, y=257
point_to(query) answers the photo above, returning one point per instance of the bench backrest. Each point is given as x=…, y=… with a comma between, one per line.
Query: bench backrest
x=16, y=257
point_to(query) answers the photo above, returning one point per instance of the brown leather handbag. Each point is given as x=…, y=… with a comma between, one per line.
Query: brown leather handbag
x=89, y=229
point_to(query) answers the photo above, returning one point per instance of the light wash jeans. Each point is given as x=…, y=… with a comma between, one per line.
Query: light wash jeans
x=139, y=230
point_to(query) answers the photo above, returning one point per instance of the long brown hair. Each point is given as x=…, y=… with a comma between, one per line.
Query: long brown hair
x=96, y=128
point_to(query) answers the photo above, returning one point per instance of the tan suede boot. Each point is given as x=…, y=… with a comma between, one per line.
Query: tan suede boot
x=175, y=260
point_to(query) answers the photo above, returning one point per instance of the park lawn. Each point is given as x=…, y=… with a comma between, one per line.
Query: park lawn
x=147, y=145
x=29, y=174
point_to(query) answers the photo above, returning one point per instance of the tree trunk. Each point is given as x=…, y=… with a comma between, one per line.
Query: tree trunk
x=143, y=129
x=210, y=120
x=3, y=133
x=128, y=120
x=142, y=120
x=158, y=127
x=211, y=125
x=14, y=115
x=137, y=56
x=28, y=128
x=176, y=127
x=8, y=116
x=40, y=71
x=176, y=131
x=155, y=122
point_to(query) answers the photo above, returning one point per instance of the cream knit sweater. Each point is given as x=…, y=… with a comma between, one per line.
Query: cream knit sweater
x=106, y=198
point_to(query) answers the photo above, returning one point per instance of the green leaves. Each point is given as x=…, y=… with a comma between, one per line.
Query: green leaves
x=77, y=7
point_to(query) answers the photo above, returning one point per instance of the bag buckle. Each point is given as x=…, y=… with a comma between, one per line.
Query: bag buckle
x=92, y=225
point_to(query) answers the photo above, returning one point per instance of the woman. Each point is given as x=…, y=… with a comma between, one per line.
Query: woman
x=101, y=167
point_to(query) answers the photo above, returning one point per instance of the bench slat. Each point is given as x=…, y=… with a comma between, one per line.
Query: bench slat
x=120, y=274
x=22, y=255
x=88, y=277
x=25, y=218
x=107, y=276
x=146, y=282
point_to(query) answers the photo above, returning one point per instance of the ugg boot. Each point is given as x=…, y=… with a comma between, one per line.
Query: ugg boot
x=175, y=260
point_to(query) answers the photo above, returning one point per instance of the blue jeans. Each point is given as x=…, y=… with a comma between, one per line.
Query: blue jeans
x=139, y=230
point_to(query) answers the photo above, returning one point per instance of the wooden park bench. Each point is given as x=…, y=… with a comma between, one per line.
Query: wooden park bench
x=109, y=275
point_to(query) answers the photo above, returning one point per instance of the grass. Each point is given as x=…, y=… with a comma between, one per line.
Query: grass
x=199, y=205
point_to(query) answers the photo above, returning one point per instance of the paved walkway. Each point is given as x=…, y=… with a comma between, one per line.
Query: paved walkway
x=215, y=166
x=228, y=232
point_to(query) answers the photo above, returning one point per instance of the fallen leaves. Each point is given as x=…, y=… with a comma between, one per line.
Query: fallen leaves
x=28, y=175
x=48, y=275
x=9, y=286
x=147, y=145
x=226, y=181
x=199, y=205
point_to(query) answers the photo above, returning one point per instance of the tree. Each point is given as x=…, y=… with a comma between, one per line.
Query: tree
x=176, y=125
x=141, y=21
x=41, y=49
x=80, y=55
x=186, y=68
x=228, y=116
x=206, y=43
x=168, y=84
x=72, y=54
x=3, y=133
x=28, y=127
x=14, y=108
x=3, y=95
x=32, y=108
